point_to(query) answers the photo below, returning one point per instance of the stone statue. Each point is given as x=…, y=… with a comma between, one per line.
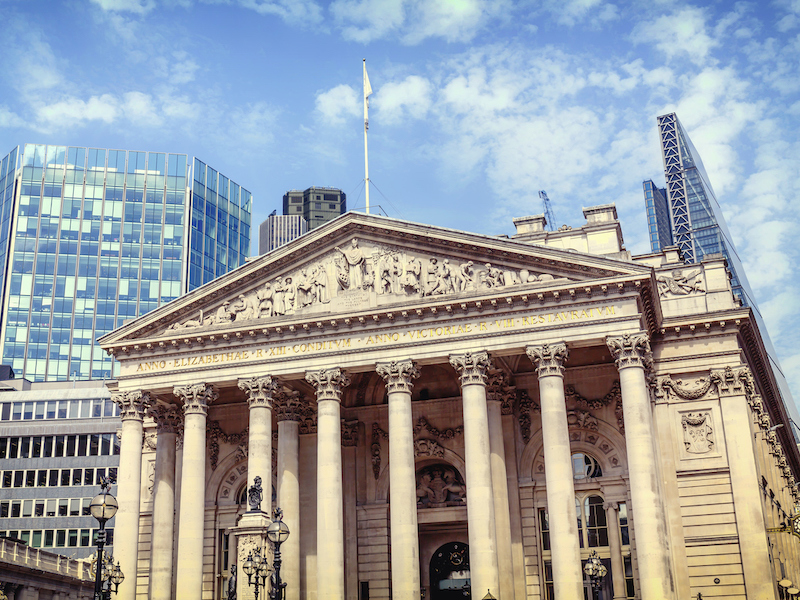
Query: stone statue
x=255, y=494
x=462, y=277
x=223, y=313
x=265, y=300
x=355, y=261
x=232, y=583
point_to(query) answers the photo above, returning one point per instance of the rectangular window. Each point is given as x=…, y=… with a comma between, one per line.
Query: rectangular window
x=623, y=524
x=630, y=592
x=30, y=478
x=51, y=409
x=97, y=408
x=36, y=542
x=98, y=478
x=75, y=507
x=50, y=510
x=4, y=508
x=36, y=447
x=109, y=536
x=106, y=446
x=7, y=478
x=3, y=447
x=71, y=442
x=94, y=444
x=38, y=510
x=63, y=507
x=545, y=529
x=86, y=408
x=47, y=450
x=18, y=478
x=59, y=446
x=74, y=407
x=41, y=478
x=48, y=538
x=64, y=477
x=86, y=537
x=88, y=476
x=39, y=414
x=62, y=409
x=27, y=508
x=548, y=580
x=85, y=507
x=108, y=411
x=6, y=412
x=77, y=476
x=13, y=447
x=16, y=411
x=25, y=447
x=83, y=443
x=53, y=478
x=61, y=538
x=112, y=474
x=27, y=414
x=16, y=506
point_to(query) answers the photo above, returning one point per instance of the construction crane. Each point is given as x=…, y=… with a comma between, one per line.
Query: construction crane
x=549, y=217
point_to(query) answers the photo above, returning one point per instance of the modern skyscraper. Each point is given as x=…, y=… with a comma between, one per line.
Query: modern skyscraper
x=317, y=205
x=90, y=238
x=689, y=216
x=277, y=230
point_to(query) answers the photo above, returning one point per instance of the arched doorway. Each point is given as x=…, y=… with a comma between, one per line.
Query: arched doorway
x=449, y=572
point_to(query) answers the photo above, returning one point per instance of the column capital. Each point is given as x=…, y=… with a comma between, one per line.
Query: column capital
x=196, y=397
x=498, y=390
x=168, y=417
x=631, y=350
x=398, y=375
x=290, y=406
x=549, y=358
x=472, y=367
x=611, y=505
x=132, y=405
x=260, y=390
x=328, y=383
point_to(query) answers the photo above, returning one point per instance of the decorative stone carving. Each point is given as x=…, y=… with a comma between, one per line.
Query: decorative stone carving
x=255, y=494
x=168, y=417
x=428, y=448
x=328, y=383
x=472, y=367
x=375, y=448
x=698, y=435
x=398, y=375
x=677, y=387
x=581, y=419
x=259, y=390
x=440, y=485
x=149, y=441
x=498, y=390
x=132, y=405
x=549, y=358
x=214, y=435
x=308, y=418
x=680, y=283
x=196, y=397
x=446, y=434
x=525, y=405
x=631, y=350
x=289, y=406
x=151, y=477
x=349, y=433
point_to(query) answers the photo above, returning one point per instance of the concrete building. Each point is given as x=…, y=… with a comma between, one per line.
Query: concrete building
x=317, y=205
x=90, y=238
x=440, y=413
x=278, y=230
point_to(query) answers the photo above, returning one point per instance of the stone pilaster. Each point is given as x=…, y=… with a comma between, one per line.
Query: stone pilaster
x=168, y=420
x=259, y=392
x=472, y=368
x=615, y=549
x=132, y=406
x=189, y=574
x=564, y=542
x=632, y=355
x=328, y=384
x=399, y=376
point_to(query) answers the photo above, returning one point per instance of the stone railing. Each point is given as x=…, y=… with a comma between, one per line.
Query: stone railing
x=23, y=555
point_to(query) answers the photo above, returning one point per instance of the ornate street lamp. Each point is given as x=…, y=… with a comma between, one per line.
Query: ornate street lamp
x=277, y=532
x=103, y=508
x=595, y=570
x=256, y=568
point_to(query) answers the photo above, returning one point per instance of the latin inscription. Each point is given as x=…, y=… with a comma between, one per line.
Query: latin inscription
x=380, y=339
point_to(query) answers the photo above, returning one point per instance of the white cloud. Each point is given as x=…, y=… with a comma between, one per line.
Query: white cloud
x=409, y=98
x=139, y=7
x=139, y=108
x=682, y=33
x=338, y=104
x=71, y=112
x=298, y=12
x=571, y=12
x=10, y=119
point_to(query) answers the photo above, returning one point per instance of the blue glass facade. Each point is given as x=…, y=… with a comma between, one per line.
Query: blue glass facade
x=8, y=181
x=97, y=237
x=658, y=221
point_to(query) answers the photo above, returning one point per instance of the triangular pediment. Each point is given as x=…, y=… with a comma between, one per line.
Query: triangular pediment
x=359, y=263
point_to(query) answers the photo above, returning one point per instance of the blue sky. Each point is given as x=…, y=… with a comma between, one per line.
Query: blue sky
x=476, y=105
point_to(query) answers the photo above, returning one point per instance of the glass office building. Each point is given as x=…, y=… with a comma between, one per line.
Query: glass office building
x=278, y=230
x=658, y=221
x=90, y=238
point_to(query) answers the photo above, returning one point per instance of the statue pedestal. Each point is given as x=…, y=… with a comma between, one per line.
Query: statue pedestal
x=251, y=535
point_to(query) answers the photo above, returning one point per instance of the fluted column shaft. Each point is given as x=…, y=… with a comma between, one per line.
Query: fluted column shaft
x=564, y=543
x=189, y=576
x=129, y=483
x=632, y=354
x=259, y=438
x=168, y=419
x=330, y=504
x=402, y=479
x=472, y=368
x=615, y=548
x=287, y=410
x=496, y=394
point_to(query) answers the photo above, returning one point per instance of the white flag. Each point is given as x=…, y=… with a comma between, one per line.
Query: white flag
x=367, y=86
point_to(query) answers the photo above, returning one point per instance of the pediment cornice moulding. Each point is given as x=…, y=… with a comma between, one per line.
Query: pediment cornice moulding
x=556, y=297
x=380, y=230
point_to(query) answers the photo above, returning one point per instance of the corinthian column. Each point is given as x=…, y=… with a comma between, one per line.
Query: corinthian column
x=196, y=398
x=472, y=368
x=132, y=406
x=330, y=509
x=632, y=355
x=498, y=391
x=288, y=411
x=402, y=479
x=168, y=419
x=259, y=450
x=564, y=544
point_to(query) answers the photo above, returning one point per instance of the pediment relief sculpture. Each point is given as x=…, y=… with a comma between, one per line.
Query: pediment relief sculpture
x=360, y=274
x=680, y=283
x=440, y=485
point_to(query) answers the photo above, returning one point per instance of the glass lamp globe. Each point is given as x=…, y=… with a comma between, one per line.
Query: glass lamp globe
x=117, y=576
x=277, y=532
x=103, y=507
x=248, y=566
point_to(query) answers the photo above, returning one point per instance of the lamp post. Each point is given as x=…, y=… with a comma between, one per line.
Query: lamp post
x=256, y=567
x=277, y=532
x=103, y=508
x=595, y=570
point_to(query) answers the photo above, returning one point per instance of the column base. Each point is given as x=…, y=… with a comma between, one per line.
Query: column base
x=251, y=535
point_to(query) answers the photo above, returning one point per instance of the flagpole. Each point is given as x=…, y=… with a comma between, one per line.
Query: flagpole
x=367, y=92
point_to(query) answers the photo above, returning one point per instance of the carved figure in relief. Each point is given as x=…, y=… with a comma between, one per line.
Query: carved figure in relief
x=265, y=300
x=397, y=275
x=680, y=284
x=289, y=295
x=462, y=277
x=446, y=277
x=433, y=278
x=223, y=314
x=384, y=277
x=320, y=277
x=411, y=277
x=278, y=291
x=439, y=485
x=355, y=261
x=697, y=433
x=303, y=286
x=424, y=489
x=492, y=277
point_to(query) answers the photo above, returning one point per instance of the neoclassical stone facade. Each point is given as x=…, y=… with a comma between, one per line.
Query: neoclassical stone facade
x=441, y=413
